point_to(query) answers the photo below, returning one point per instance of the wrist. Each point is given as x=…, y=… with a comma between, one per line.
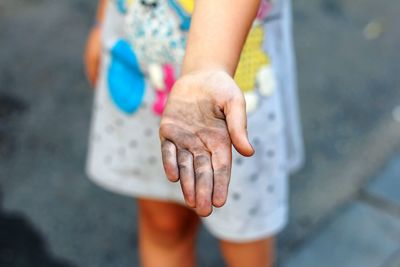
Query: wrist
x=204, y=67
x=209, y=81
x=205, y=71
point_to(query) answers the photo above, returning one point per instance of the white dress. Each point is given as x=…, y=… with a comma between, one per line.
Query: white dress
x=143, y=46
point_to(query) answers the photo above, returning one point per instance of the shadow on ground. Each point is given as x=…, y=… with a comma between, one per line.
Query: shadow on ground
x=21, y=245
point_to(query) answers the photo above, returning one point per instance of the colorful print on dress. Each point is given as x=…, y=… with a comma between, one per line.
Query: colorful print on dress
x=121, y=5
x=254, y=74
x=184, y=10
x=264, y=9
x=125, y=79
x=162, y=79
x=155, y=33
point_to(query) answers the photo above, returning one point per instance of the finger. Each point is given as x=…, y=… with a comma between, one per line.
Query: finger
x=204, y=183
x=168, y=151
x=186, y=176
x=221, y=162
x=236, y=120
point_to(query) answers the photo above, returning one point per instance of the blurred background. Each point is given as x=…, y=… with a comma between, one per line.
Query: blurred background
x=345, y=203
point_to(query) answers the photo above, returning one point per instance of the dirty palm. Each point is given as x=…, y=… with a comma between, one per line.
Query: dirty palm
x=197, y=132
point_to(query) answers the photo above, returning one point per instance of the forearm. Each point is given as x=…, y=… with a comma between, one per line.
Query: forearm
x=217, y=34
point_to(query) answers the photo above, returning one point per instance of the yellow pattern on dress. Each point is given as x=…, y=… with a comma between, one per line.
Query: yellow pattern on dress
x=187, y=5
x=251, y=60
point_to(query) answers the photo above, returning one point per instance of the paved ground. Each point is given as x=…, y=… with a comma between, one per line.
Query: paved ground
x=345, y=202
x=364, y=232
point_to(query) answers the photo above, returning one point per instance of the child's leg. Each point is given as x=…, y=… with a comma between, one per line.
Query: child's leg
x=167, y=234
x=255, y=254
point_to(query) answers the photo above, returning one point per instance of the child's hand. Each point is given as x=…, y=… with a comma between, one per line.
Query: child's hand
x=204, y=116
x=92, y=55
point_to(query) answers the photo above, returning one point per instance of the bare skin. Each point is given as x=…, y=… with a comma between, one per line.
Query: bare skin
x=205, y=113
x=92, y=53
x=167, y=234
x=167, y=237
x=92, y=56
x=204, y=116
x=258, y=253
x=167, y=231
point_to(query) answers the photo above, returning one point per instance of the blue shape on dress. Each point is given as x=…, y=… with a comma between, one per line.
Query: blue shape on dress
x=125, y=79
x=184, y=17
x=121, y=4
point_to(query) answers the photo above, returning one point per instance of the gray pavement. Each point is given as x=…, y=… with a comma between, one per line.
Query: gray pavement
x=358, y=236
x=386, y=187
x=364, y=232
x=344, y=203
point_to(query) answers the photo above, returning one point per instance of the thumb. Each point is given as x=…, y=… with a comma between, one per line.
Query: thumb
x=236, y=120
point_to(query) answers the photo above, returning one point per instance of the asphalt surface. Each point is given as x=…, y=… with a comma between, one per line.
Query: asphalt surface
x=50, y=215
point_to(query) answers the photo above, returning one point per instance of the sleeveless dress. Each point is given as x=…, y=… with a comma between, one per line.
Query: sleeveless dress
x=143, y=47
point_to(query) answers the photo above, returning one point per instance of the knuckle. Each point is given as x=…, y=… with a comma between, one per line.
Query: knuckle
x=235, y=133
x=183, y=167
x=203, y=194
x=184, y=155
x=201, y=160
x=184, y=162
x=187, y=185
x=203, y=173
x=223, y=171
x=238, y=99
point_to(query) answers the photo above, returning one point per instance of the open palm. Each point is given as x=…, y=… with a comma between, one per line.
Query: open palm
x=204, y=116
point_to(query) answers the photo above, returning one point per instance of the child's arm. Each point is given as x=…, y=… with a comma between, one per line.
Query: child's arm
x=217, y=34
x=101, y=10
x=93, y=45
x=205, y=113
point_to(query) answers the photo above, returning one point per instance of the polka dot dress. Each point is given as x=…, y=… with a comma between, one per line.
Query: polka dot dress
x=136, y=76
